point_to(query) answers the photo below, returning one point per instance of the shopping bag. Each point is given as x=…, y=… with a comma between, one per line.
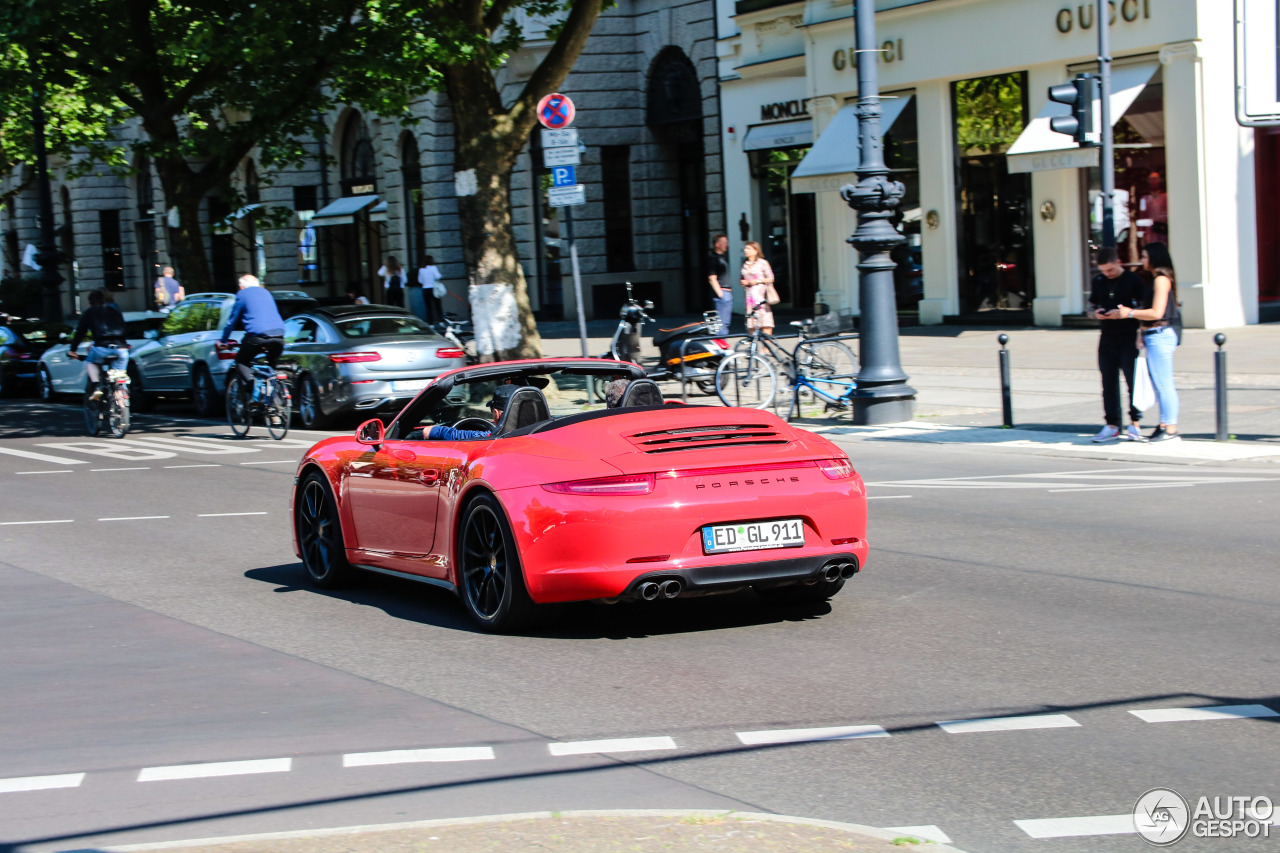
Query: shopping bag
x=1144, y=392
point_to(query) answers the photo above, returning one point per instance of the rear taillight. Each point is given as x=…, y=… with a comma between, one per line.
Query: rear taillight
x=225, y=354
x=354, y=357
x=836, y=469
x=449, y=352
x=627, y=484
x=721, y=342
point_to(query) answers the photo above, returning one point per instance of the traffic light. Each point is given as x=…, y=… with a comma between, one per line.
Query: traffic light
x=1079, y=94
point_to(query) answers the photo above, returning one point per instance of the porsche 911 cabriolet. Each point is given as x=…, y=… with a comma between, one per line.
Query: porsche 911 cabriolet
x=568, y=498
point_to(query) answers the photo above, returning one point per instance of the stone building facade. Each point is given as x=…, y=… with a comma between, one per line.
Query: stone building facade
x=647, y=103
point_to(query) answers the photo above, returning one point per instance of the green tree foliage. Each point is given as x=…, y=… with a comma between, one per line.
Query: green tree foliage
x=989, y=114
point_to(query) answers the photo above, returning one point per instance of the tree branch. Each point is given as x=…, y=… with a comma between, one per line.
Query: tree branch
x=494, y=17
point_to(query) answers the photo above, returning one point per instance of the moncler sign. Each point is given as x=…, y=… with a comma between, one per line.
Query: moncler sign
x=785, y=109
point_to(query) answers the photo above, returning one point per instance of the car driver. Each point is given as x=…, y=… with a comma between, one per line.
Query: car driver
x=501, y=396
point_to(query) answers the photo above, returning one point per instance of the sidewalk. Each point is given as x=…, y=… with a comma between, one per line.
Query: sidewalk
x=576, y=832
x=1056, y=386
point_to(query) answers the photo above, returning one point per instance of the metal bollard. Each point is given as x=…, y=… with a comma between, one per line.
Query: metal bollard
x=1006, y=382
x=1220, y=387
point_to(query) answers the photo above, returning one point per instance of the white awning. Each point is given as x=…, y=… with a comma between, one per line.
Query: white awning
x=785, y=134
x=1039, y=148
x=344, y=210
x=379, y=213
x=833, y=160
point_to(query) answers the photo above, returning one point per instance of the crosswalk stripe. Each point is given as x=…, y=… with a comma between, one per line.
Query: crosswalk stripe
x=1209, y=712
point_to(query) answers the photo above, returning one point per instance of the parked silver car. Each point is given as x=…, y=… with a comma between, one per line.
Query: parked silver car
x=58, y=374
x=180, y=358
x=363, y=358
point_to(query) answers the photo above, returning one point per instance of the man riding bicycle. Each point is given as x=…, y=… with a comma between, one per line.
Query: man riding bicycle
x=255, y=311
x=109, y=348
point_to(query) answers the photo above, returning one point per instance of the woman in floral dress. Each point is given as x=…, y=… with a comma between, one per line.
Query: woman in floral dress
x=757, y=278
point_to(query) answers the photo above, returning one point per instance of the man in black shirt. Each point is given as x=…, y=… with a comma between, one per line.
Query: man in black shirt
x=1114, y=286
x=718, y=278
x=109, y=348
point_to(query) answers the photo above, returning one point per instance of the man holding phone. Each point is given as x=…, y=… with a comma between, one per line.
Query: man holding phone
x=1114, y=286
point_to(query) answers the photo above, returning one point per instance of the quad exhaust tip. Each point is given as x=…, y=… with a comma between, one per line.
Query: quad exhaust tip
x=649, y=591
x=671, y=588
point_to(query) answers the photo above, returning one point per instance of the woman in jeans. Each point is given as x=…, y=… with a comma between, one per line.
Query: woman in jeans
x=1159, y=334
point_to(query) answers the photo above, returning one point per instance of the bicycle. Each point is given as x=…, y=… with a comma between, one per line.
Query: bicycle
x=109, y=409
x=802, y=382
x=269, y=397
x=750, y=377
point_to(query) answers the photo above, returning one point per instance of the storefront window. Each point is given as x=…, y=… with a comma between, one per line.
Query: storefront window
x=996, y=253
x=788, y=226
x=902, y=155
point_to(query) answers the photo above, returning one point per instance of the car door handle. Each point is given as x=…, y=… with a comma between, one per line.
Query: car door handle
x=429, y=477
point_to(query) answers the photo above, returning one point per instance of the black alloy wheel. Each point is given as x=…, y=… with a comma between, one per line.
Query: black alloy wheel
x=324, y=555
x=204, y=392
x=310, y=415
x=47, y=393
x=492, y=582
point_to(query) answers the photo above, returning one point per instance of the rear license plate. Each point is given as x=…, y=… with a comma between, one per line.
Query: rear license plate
x=409, y=384
x=752, y=536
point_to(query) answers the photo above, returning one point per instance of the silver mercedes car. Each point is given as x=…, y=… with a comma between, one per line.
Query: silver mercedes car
x=361, y=358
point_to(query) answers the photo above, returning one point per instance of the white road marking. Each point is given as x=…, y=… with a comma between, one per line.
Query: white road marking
x=1072, y=827
x=40, y=783
x=50, y=521
x=928, y=832
x=1008, y=724
x=45, y=472
x=42, y=457
x=273, y=462
x=1211, y=712
x=120, y=469
x=887, y=497
x=1124, y=488
x=416, y=756
x=218, y=768
x=771, y=736
x=226, y=514
x=201, y=465
x=195, y=445
x=134, y=518
x=112, y=450
x=622, y=744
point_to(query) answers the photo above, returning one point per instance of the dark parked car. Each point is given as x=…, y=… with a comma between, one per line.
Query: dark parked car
x=365, y=358
x=21, y=345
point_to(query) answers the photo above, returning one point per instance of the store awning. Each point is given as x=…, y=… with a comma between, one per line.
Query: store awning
x=343, y=211
x=379, y=212
x=833, y=160
x=1040, y=149
x=786, y=134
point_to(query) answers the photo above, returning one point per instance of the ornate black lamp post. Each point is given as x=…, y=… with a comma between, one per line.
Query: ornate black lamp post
x=47, y=254
x=883, y=397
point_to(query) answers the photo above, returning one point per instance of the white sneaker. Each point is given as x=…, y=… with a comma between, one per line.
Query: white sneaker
x=1133, y=434
x=1108, y=433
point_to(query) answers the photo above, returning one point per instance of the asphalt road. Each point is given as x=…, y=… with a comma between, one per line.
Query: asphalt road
x=153, y=617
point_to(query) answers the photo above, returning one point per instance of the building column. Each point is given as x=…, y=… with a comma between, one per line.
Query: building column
x=940, y=233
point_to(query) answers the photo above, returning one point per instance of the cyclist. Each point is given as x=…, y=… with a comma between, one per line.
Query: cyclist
x=109, y=348
x=255, y=311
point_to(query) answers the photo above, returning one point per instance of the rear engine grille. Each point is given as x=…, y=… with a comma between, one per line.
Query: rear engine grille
x=694, y=438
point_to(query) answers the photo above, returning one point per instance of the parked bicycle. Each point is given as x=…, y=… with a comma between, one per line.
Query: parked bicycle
x=267, y=398
x=750, y=377
x=821, y=388
x=106, y=404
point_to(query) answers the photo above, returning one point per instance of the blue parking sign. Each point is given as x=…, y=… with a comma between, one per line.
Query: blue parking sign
x=562, y=176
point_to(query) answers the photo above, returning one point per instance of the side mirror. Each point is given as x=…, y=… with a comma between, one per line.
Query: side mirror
x=371, y=433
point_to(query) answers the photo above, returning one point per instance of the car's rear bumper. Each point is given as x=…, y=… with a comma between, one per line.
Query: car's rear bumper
x=726, y=578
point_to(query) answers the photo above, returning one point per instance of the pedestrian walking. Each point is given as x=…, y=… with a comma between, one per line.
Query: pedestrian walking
x=168, y=291
x=1161, y=323
x=757, y=280
x=393, y=281
x=433, y=289
x=718, y=278
x=1115, y=288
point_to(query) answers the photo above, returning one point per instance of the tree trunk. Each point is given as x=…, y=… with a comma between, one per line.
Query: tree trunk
x=489, y=245
x=186, y=242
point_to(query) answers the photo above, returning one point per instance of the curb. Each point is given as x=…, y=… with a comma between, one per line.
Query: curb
x=850, y=828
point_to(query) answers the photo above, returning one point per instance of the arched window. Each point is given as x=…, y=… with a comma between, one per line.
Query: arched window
x=415, y=221
x=359, y=171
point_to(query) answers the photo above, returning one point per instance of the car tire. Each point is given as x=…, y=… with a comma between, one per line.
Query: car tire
x=139, y=398
x=800, y=593
x=204, y=393
x=310, y=413
x=47, y=394
x=319, y=530
x=490, y=578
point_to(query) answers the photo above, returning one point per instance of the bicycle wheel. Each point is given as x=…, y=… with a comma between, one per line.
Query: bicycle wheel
x=239, y=415
x=118, y=415
x=748, y=381
x=278, y=410
x=92, y=411
x=827, y=360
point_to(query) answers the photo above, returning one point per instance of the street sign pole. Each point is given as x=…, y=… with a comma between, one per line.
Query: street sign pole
x=560, y=155
x=1108, y=136
x=577, y=279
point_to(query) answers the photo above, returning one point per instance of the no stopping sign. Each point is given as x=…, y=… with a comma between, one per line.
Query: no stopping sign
x=555, y=111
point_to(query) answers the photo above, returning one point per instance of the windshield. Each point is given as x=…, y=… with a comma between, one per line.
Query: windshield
x=369, y=327
x=565, y=395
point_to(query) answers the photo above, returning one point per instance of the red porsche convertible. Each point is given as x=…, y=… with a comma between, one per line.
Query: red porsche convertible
x=568, y=499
